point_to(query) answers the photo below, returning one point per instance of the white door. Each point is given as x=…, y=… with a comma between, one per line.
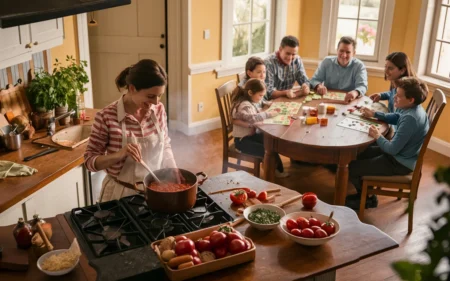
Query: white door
x=123, y=36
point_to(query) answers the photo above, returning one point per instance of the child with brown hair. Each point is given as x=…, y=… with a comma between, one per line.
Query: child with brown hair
x=244, y=108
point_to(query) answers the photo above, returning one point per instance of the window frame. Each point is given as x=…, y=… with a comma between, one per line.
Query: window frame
x=328, y=46
x=230, y=65
x=432, y=41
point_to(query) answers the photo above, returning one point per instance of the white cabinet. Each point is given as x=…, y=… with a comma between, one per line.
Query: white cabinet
x=11, y=215
x=20, y=42
x=59, y=196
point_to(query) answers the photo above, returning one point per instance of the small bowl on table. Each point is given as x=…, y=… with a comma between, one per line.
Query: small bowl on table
x=308, y=241
x=269, y=207
x=58, y=272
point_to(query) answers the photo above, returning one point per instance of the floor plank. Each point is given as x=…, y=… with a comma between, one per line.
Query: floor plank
x=203, y=152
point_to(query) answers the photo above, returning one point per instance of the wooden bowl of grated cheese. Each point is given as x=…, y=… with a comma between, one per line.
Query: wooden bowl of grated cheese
x=60, y=262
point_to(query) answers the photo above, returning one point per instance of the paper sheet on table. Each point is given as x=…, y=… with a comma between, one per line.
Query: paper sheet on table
x=286, y=109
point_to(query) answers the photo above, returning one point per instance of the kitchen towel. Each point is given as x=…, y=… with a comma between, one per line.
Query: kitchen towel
x=11, y=169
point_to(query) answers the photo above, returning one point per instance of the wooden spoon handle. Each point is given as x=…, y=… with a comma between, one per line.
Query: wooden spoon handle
x=44, y=237
x=331, y=215
x=289, y=201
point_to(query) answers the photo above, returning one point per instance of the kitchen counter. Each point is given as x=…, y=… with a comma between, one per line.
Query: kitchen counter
x=277, y=257
x=50, y=167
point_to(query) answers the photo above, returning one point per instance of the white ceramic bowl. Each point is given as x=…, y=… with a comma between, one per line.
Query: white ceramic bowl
x=270, y=207
x=303, y=240
x=54, y=273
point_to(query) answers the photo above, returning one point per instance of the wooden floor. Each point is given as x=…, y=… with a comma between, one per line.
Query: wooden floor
x=203, y=152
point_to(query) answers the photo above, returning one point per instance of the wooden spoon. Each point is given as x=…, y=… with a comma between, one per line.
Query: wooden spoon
x=149, y=170
x=44, y=237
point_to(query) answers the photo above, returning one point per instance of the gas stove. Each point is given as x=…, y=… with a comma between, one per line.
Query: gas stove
x=156, y=225
x=115, y=235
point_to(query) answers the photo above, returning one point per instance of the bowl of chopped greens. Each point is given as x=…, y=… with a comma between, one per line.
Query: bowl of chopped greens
x=264, y=216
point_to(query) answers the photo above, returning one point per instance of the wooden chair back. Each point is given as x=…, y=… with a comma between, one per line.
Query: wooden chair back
x=240, y=76
x=434, y=111
x=223, y=95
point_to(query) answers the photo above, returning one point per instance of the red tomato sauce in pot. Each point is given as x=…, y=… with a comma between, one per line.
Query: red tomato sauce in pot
x=168, y=186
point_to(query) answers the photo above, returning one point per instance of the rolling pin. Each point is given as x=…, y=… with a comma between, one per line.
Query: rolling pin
x=44, y=237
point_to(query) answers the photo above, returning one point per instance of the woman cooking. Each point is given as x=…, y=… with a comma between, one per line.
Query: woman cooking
x=130, y=129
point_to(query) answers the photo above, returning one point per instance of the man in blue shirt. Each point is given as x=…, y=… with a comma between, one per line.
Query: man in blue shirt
x=342, y=72
x=284, y=68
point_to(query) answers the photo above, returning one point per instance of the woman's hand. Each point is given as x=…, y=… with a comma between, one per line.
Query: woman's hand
x=373, y=132
x=367, y=112
x=133, y=150
x=375, y=97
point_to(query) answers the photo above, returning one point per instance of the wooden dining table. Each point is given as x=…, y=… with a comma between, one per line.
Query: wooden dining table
x=329, y=144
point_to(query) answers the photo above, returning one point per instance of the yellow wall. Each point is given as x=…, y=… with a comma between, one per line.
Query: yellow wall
x=311, y=19
x=293, y=24
x=206, y=14
x=70, y=43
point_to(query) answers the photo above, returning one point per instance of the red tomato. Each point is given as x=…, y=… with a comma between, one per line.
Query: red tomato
x=197, y=260
x=248, y=244
x=309, y=200
x=320, y=233
x=179, y=238
x=251, y=194
x=238, y=197
x=315, y=227
x=314, y=221
x=194, y=253
x=262, y=196
x=291, y=224
x=237, y=246
x=184, y=247
x=296, y=232
x=206, y=238
x=203, y=245
x=307, y=233
x=233, y=236
x=220, y=252
x=218, y=239
x=328, y=227
x=212, y=232
x=302, y=222
x=246, y=189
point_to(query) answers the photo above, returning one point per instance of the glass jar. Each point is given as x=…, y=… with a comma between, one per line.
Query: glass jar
x=23, y=234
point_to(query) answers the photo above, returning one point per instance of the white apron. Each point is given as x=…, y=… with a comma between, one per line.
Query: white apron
x=152, y=151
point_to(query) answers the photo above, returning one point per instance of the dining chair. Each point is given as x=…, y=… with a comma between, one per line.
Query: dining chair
x=223, y=95
x=405, y=186
x=240, y=76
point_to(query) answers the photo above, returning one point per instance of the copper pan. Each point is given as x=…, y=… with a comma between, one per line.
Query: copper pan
x=171, y=202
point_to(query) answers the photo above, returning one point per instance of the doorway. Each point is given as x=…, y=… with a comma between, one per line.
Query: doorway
x=121, y=36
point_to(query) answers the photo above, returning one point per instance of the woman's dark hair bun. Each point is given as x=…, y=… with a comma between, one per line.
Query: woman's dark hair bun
x=145, y=74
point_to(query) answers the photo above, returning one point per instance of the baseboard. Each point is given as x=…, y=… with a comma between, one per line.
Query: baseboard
x=196, y=127
x=439, y=146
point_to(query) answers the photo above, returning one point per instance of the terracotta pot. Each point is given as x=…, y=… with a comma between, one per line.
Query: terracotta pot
x=171, y=202
x=40, y=119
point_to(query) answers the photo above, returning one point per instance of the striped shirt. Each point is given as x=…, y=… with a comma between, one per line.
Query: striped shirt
x=106, y=134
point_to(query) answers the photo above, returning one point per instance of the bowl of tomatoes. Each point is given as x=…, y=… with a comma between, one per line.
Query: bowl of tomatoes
x=309, y=228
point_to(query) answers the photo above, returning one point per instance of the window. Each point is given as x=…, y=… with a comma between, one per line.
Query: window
x=439, y=56
x=248, y=29
x=368, y=21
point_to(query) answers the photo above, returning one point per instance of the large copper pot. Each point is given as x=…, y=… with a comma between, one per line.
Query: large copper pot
x=171, y=202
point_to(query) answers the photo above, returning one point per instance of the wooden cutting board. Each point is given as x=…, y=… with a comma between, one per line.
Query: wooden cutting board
x=14, y=259
x=14, y=99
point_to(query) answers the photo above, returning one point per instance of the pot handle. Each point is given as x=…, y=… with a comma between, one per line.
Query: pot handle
x=205, y=177
x=141, y=191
